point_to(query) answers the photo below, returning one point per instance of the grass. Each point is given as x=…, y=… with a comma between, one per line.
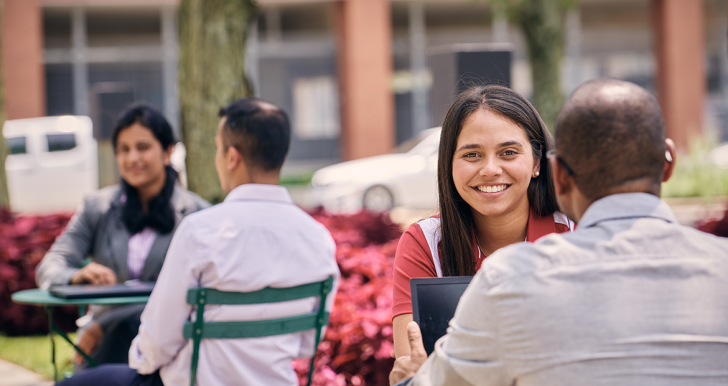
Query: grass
x=296, y=180
x=34, y=353
x=696, y=175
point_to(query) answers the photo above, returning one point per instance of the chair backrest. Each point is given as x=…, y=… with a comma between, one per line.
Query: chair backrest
x=199, y=329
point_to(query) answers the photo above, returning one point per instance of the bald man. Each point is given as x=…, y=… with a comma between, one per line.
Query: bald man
x=630, y=298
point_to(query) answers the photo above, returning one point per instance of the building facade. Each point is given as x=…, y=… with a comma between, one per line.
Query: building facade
x=353, y=74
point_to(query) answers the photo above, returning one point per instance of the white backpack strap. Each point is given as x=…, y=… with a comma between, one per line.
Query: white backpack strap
x=431, y=229
x=561, y=218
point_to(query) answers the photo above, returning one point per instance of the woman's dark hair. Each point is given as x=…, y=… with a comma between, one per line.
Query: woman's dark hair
x=160, y=216
x=148, y=117
x=456, y=256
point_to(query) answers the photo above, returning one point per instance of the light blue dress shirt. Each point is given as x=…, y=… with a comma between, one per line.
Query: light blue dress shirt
x=630, y=298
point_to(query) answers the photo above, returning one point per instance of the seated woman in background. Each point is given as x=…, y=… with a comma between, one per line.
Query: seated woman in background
x=125, y=229
x=494, y=187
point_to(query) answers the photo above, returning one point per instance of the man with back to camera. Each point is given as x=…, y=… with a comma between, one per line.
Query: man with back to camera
x=630, y=298
x=255, y=238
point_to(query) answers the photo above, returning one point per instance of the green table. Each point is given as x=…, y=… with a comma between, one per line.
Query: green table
x=40, y=297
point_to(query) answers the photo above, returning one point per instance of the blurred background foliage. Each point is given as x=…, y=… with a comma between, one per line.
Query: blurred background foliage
x=542, y=23
x=697, y=174
x=358, y=344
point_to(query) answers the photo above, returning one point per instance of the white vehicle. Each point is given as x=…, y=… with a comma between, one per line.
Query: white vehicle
x=719, y=156
x=382, y=182
x=52, y=163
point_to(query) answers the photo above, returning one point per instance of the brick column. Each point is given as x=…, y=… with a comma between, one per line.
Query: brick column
x=680, y=55
x=364, y=32
x=22, y=59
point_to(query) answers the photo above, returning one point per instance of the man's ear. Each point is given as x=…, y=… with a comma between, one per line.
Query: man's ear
x=233, y=158
x=563, y=182
x=670, y=154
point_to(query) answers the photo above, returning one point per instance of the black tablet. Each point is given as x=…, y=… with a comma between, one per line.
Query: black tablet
x=85, y=291
x=433, y=305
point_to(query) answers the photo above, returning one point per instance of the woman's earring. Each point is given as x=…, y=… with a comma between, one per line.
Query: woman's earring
x=536, y=174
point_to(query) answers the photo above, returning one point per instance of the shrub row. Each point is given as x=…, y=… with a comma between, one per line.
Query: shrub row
x=23, y=242
x=358, y=342
x=718, y=227
x=358, y=345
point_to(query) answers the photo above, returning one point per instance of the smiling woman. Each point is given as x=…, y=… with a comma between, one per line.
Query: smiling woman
x=494, y=187
x=492, y=169
x=125, y=228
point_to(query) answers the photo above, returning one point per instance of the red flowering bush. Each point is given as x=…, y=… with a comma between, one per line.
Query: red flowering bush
x=358, y=343
x=717, y=227
x=359, y=230
x=23, y=243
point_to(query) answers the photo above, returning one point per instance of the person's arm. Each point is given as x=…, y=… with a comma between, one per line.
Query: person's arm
x=61, y=263
x=470, y=352
x=399, y=332
x=160, y=333
x=406, y=366
x=412, y=260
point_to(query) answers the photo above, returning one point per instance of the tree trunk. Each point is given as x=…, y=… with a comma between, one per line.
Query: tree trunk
x=4, y=199
x=212, y=36
x=542, y=22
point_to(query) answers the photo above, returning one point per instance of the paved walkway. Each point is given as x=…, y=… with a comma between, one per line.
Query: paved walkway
x=14, y=375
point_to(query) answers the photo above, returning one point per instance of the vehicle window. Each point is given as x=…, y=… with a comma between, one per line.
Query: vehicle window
x=61, y=142
x=16, y=145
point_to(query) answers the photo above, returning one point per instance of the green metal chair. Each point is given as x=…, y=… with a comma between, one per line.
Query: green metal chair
x=199, y=329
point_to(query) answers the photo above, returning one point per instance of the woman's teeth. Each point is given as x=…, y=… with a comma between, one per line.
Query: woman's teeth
x=492, y=189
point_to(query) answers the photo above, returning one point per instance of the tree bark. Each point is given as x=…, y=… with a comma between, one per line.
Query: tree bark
x=542, y=22
x=212, y=37
x=4, y=198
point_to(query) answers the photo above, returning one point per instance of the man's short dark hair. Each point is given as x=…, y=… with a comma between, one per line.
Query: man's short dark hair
x=610, y=133
x=258, y=130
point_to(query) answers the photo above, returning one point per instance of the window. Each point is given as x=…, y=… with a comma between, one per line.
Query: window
x=16, y=145
x=316, y=108
x=61, y=142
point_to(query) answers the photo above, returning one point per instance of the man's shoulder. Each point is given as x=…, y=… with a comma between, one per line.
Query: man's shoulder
x=527, y=258
x=644, y=242
x=189, y=201
x=701, y=242
x=210, y=215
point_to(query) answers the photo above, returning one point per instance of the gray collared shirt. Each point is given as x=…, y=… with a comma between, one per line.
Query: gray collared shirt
x=630, y=298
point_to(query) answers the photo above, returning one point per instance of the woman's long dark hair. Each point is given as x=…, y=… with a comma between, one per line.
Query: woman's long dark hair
x=160, y=216
x=456, y=255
